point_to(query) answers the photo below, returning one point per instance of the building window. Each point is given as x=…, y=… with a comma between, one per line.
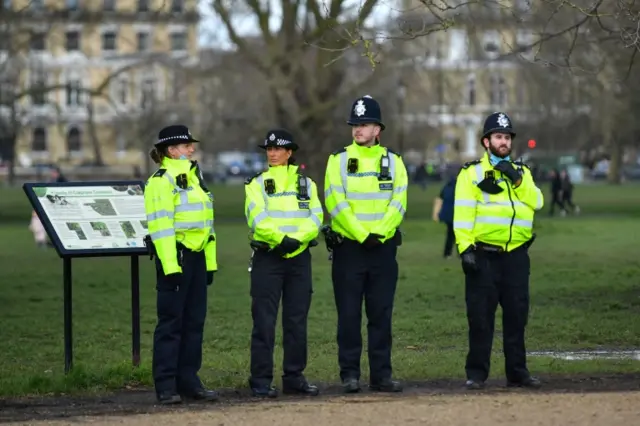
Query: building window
x=143, y=41
x=491, y=43
x=74, y=93
x=471, y=90
x=179, y=84
x=498, y=87
x=74, y=140
x=72, y=40
x=122, y=91
x=143, y=5
x=39, y=140
x=72, y=4
x=36, y=5
x=7, y=93
x=178, y=41
x=109, y=41
x=6, y=5
x=37, y=41
x=177, y=6
x=5, y=40
x=38, y=87
x=109, y=5
x=148, y=93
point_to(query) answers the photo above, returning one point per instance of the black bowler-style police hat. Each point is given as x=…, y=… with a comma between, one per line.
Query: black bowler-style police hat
x=498, y=122
x=366, y=110
x=174, y=135
x=279, y=137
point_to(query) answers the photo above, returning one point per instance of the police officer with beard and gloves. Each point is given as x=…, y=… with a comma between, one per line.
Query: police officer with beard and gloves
x=495, y=203
x=179, y=210
x=285, y=215
x=366, y=196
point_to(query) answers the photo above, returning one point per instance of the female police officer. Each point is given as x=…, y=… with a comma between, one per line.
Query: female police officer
x=284, y=213
x=180, y=221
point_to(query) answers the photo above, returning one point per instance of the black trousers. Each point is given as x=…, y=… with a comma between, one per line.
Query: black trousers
x=556, y=199
x=177, y=341
x=450, y=239
x=371, y=275
x=502, y=278
x=274, y=278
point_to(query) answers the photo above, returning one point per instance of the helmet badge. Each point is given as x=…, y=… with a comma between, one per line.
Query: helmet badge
x=503, y=120
x=360, y=109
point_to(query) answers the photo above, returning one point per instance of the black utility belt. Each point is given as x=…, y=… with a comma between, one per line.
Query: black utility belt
x=489, y=248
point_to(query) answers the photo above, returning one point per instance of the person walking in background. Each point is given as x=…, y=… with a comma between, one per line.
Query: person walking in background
x=443, y=212
x=39, y=234
x=566, y=187
x=179, y=210
x=556, y=193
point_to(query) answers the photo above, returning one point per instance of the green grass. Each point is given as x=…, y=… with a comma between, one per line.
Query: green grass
x=585, y=293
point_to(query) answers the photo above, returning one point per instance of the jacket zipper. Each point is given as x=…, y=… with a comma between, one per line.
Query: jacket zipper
x=513, y=217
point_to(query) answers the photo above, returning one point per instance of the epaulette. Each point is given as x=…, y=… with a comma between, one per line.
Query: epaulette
x=339, y=151
x=159, y=173
x=248, y=180
x=470, y=163
x=522, y=164
x=390, y=151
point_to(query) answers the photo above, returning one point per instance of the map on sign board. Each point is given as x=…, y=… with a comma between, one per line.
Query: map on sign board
x=92, y=217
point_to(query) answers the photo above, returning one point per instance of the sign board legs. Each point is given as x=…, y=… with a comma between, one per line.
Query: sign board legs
x=135, y=311
x=68, y=343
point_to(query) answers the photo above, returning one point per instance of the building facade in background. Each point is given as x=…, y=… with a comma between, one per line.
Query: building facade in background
x=90, y=82
x=455, y=78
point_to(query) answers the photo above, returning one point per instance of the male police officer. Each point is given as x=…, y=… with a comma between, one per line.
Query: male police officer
x=493, y=218
x=366, y=196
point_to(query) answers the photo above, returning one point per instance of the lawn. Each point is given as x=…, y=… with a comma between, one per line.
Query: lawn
x=585, y=294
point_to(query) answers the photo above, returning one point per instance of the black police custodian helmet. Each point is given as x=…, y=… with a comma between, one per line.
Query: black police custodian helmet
x=174, y=135
x=279, y=137
x=366, y=110
x=498, y=122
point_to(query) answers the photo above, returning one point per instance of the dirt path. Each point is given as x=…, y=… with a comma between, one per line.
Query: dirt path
x=567, y=400
x=597, y=409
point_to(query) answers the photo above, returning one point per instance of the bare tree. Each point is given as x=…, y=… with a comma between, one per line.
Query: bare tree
x=304, y=63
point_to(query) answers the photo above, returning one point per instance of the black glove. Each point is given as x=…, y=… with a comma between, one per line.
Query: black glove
x=289, y=245
x=372, y=240
x=507, y=169
x=468, y=257
x=209, y=277
x=174, y=280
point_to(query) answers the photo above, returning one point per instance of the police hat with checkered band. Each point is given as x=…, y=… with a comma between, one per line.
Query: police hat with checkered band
x=498, y=122
x=174, y=135
x=366, y=110
x=279, y=137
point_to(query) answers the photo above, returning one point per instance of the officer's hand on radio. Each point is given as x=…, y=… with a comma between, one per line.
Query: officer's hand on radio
x=509, y=171
x=209, y=277
x=468, y=258
x=289, y=245
x=174, y=280
x=372, y=240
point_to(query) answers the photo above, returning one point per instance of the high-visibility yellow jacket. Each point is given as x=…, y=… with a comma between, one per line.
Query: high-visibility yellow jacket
x=504, y=219
x=273, y=210
x=358, y=202
x=177, y=215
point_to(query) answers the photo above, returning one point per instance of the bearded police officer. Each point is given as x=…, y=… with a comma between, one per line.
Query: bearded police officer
x=494, y=210
x=366, y=196
x=179, y=210
x=284, y=214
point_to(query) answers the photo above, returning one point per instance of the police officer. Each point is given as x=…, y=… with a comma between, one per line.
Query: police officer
x=495, y=201
x=180, y=221
x=366, y=196
x=284, y=214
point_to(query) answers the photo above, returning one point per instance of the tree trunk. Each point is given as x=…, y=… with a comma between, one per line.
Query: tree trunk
x=615, y=164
